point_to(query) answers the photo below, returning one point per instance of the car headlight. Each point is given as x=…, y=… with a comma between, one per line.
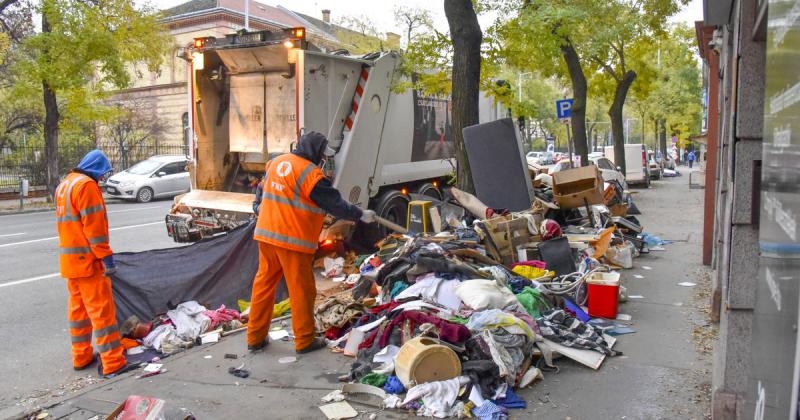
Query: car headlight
x=126, y=184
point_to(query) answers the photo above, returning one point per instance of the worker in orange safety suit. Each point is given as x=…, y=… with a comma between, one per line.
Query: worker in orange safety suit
x=86, y=262
x=292, y=202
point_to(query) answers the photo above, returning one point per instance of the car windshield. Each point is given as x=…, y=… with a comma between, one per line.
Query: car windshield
x=144, y=168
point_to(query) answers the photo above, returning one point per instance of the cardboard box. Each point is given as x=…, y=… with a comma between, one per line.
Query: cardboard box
x=619, y=210
x=507, y=234
x=577, y=187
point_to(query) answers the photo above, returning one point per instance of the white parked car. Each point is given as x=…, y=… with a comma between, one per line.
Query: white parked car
x=156, y=177
x=608, y=171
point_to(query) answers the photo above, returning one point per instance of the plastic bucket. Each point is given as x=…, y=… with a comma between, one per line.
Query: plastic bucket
x=423, y=359
x=603, y=290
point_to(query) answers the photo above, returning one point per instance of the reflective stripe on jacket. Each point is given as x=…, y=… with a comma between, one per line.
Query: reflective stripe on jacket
x=82, y=226
x=287, y=216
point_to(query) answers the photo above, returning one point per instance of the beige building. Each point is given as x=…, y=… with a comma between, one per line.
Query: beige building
x=167, y=90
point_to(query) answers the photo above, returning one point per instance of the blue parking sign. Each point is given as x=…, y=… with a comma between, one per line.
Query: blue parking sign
x=564, y=108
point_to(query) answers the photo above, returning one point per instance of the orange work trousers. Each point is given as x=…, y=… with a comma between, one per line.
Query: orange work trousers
x=274, y=263
x=91, y=309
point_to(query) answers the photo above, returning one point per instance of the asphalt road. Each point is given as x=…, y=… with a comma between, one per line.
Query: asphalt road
x=34, y=340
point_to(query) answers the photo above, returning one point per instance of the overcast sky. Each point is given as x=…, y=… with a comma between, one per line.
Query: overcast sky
x=380, y=11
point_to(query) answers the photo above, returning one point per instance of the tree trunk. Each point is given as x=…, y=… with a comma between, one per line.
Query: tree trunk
x=663, y=139
x=465, y=32
x=589, y=136
x=615, y=112
x=51, y=117
x=578, y=118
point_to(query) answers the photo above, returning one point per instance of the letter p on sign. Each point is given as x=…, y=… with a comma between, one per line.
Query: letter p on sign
x=564, y=108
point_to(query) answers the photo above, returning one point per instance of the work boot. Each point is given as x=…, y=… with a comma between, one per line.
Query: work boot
x=86, y=366
x=318, y=343
x=127, y=368
x=258, y=347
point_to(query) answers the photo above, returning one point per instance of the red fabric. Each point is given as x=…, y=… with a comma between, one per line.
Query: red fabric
x=531, y=263
x=369, y=340
x=550, y=230
x=448, y=331
x=375, y=261
x=386, y=306
x=333, y=333
x=221, y=316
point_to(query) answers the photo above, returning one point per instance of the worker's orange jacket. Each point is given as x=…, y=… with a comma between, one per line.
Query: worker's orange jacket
x=82, y=226
x=287, y=216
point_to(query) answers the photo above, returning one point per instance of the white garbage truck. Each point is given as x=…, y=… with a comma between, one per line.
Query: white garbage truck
x=254, y=93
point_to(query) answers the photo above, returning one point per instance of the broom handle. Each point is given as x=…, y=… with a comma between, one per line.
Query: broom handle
x=393, y=226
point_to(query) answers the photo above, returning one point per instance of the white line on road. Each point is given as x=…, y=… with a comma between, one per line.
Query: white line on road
x=56, y=237
x=11, y=234
x=135, y=226
x=32, y=279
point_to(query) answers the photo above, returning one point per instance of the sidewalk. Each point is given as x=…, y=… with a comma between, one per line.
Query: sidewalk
x=664, y=372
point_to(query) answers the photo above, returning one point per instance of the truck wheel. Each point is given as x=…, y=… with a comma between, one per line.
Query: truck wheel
x=145, y=195
x=429, y=190
x=392, y=205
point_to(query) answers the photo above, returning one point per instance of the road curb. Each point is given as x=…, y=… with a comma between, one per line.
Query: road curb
x=26, y=211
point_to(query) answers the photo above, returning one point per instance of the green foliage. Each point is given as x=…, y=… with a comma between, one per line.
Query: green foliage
x=88, y=53
x=359, y=35
x=675, y=91
x=531, y=33
x=428, y=60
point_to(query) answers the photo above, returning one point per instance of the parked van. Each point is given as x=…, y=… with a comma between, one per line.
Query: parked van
x=637, y=171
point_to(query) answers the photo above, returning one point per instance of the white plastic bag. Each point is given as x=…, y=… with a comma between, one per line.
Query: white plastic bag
x=485, y=294
x=620, y=255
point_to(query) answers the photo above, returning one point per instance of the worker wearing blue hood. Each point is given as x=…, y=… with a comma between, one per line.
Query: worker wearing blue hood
x=86, y=261
x=291, y=206
x=95, y=164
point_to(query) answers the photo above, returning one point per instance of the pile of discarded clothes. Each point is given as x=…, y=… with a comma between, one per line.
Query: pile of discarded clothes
x=449, y=323
x=180, y=328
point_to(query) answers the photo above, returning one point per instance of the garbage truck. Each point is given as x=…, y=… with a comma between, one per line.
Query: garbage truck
x=254, y=93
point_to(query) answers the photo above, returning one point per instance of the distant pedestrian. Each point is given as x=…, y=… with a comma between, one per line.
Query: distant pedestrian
x=690, y=158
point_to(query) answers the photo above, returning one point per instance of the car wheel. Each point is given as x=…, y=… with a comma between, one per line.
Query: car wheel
x=647, y=182
x=145, y=195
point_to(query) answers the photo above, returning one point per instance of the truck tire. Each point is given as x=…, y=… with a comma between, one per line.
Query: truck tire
x=144, y=195
x=429, y=190
x=391, y=205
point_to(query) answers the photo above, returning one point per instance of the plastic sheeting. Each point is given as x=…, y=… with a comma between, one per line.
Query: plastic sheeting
x=213, y=272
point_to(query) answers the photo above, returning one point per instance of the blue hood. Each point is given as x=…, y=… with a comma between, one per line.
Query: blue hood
x=95, y=164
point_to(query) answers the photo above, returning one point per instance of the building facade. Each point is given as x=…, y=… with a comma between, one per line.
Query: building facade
x=751, y=53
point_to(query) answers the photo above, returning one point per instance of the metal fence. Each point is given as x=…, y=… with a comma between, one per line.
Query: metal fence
x=29, y=163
